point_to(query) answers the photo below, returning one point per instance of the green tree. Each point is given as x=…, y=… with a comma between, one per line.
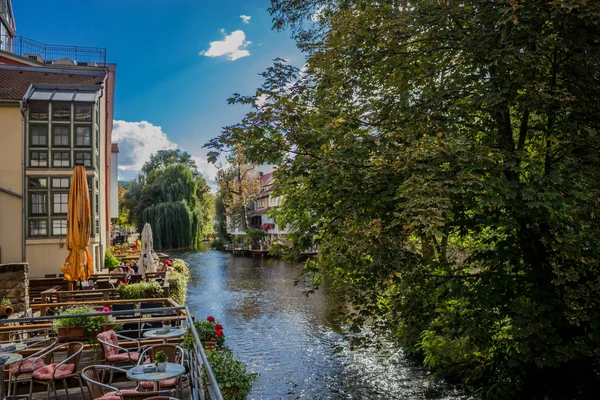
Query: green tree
x=445, y=156
x=164, y=158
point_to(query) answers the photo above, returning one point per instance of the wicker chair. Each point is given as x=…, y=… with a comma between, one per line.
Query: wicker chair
x=115, y=355
x=32, y=362
x=62, y=371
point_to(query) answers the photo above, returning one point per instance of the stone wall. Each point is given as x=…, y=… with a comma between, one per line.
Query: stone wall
x=14, y=284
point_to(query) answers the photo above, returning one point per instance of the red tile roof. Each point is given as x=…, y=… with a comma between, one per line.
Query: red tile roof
x=14, y=81
x=265, y=179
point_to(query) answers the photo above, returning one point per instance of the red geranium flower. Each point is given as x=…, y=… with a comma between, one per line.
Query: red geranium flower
x=218, y=327
x=210, y=318
x=219, y=333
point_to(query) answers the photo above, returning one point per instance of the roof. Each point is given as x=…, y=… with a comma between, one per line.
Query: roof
x=50, y=92
x=16, y=80
x=114, y=148
x=266, y=179
x=260, y=211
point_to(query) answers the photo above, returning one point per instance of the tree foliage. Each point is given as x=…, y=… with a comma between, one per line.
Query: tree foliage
x=445, y=156
x=164, y=158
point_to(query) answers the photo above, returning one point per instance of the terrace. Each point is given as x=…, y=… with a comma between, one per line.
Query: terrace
x=54, y=53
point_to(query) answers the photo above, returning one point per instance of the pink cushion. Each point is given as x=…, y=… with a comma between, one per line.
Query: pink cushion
x=27, y=366
x=113, y=395
x=131, y=356
x=46, y=373
x=167, y=383
x=109, y=337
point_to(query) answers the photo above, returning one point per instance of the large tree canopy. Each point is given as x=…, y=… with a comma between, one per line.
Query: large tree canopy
x=445, y=154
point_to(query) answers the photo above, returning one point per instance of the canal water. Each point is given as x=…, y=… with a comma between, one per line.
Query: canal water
x=294, y=341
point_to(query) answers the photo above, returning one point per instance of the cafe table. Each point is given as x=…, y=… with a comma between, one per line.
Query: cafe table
x=161, y=333
x=173, y=370
x=12, y=358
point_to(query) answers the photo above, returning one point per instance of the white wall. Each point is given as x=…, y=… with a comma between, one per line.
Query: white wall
x=114, y=185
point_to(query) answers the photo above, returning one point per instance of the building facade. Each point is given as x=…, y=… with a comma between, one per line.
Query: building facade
x=7, y=25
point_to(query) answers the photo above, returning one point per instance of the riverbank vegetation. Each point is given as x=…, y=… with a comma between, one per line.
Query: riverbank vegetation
x=445, y=157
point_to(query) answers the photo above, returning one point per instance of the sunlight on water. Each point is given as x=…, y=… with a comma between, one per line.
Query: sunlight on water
x=293, y=341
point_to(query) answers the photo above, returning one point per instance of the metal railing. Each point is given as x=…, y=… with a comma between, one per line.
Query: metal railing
x=51, y=53
x=201, y=378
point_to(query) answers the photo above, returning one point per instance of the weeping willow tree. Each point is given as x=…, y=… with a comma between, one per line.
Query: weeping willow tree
x=172, y=202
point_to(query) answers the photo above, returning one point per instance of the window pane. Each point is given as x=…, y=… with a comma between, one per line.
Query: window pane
x=38, y=203
x=38, y=183
x=83, y=158
x=59, y=227
x=38, y=110
x=38, y=159
x=60, y=134
x=83, y=136
x=60, y=203
x=38, y=228
x=60, y=183
x=60, y=159
x=39, y=135
x=61, y=111
x=83, y=112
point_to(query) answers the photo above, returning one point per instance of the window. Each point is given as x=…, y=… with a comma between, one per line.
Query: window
x=97, y=204
x=97, y=227
x=38, y=159
x=61, y=111
x=38, y=228
x=60, y=135
x=60, y=203
x=38, y=135
x=38, y=111
x=38, y=203
x=38, y=183
x=83, y=112
x=83, y=136
x=60, y=183
x=60, y=159
x=59, y=227
x=83, y=158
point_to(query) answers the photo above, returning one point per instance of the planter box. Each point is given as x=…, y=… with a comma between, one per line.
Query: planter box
x=71, y=334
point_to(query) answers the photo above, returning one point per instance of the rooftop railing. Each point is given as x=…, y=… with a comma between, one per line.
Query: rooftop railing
x=53, y=53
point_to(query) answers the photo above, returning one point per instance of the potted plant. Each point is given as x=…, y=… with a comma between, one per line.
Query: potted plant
x=210, y=333
x=232, y=374
x=160, y=360
x=5, y=308
x=80, y=328
x=141, y=290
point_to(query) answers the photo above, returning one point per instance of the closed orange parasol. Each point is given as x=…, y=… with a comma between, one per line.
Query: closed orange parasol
x=79, y=264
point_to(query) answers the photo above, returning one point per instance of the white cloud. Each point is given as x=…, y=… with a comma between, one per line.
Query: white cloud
x=232, y=46
x=245, y=18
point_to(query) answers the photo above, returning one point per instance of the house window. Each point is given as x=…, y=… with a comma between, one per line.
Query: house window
x=38, y=159
x=61, y=112
x=38, y=183
x=60, y=203
x=97, y=204
x=60, y=135
x=59, y=227
x=83, y=158
x=38, y=203
x=97, y=227
x=38, y=111
x=38, y=135
x=38, y=228
x=83, y=112
x=60, y=159
x=62, y=183
x=83, y=136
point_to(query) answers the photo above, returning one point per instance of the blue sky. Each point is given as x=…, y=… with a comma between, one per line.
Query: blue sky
x=168, y=73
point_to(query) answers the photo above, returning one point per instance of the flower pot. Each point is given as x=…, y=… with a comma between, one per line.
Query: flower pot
x=209, y=345
x=162, y=367
x=71, y=334
x=6, y=311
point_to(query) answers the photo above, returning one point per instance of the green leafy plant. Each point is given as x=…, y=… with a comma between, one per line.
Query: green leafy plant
x=219, y=244
x=177, y=286
x=110, y=261
x=141, y=290
x=5, y=302
x=232, y=374
x=210, y=331
x=91, y=324
x=160, y=357
x=183, y=268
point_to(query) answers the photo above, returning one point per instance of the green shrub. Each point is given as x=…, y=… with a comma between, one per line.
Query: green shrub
x=91, y=324
x=177, y=286
x=255, y=233
x=219, y=244
x=141, y=290
x=183, y=268
x=232, y=374
x=110, y=260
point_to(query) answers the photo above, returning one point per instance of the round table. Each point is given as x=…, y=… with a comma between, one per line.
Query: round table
x=12, y=358
x=173, y=371
x=156, y=334
x=18, y=347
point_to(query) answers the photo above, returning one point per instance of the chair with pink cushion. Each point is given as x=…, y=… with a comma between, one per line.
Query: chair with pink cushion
x=32, y=362
x=102, y=391
x=53, y=372
x=114, y=354
x=174, y=354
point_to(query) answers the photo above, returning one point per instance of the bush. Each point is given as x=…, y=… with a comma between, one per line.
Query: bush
x=183, y=268
x=219, y=244
x=142, y=290
x=110, y=261
x=91, y=324
x=177, y=286
x=232, y=374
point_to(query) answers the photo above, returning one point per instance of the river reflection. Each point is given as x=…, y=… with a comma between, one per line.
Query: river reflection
x=294, y=341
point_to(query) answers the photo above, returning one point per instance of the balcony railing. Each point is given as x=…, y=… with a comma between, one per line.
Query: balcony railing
x=53, y=53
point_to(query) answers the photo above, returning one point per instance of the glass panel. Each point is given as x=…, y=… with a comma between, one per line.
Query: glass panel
x=61, y=111
x=60, y=183
x=83, y=112
x=38, y=183
x=60, y=203
x=83, y=136
x=60, y=135
x=38, y=203
x=38, y=159
x=60, y=159
x=38, y=228
x=83, y=158
x=39, y=135
x=38, y=110
x=59, y=227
